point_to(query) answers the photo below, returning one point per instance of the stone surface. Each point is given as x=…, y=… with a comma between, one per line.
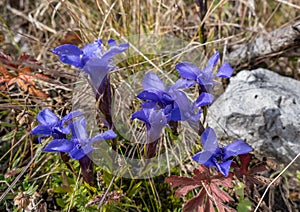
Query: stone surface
x=262, y=108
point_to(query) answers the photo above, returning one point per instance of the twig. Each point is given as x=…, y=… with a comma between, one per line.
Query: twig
x=106, y=192
x=273, y=181
x=39, y=150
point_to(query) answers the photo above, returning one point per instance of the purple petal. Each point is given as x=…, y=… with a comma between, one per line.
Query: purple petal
x=111, y=42
x=42, y=130
x=209, y=140
x=77, y=153
x=97, y=68
x=183, y=83
x=59, y=145
x=203, y=157
x=67, y=49
x=204, y=99
x=92, y=49
x=224, y=167
x=69, y=54
x=152, y=95
x=46, y=117
x=78, y=128
x=63, y=130
x=149, y=105
x=140, y=115
x=107, y=135
x=157, y=121
x=182, y=102
x=114, y=50
x=236, y=148
x=175, y=115
x=212, y=63
x=152, y=81
x=206, y=79
x=188, y=70
x=70, y=116
x=225, y=71
x=72, y=60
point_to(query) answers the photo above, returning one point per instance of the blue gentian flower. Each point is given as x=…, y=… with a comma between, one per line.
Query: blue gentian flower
x=174, y=102
x=204, y=99
x=51, y=125
x=80, y=144
x=204, y=77
x=91, y=58
x=72, y=55
x=221, y=158
x=155, y=121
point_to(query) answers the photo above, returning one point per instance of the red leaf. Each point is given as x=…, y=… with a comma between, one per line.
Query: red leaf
x=210, y=192
x=245, y=160
x=209, y=205
x=25, y=75
x=219, y=194
x=184, y=190
x=71, y=38
x=179, y=181
x=196, y=203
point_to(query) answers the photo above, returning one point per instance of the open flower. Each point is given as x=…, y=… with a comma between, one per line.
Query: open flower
x=155, y=121
x=51, y=125
x=204, y=77
x=221, y=158
x=174, y=102
x=80, y=144
x=72, y=55
x=91, y=58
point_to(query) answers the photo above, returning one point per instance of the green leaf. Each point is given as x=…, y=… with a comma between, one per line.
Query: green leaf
x=244, y=205
x=60, y=202
x=59, y=190
x=298, y=176
x=10, y=135
x=134, y=190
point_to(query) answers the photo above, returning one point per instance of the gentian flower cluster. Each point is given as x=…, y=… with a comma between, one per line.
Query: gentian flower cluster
x=166, y=103
x=162, y=105
x=79, y=145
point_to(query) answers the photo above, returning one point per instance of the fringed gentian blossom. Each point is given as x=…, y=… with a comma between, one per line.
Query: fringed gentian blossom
x=51, y=125
x=91, y=58
x=221, y=158
x=80, y=144
x=97, y=64
x=205, y=77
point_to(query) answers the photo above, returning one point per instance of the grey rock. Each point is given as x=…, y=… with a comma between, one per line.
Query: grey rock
x=263, y=109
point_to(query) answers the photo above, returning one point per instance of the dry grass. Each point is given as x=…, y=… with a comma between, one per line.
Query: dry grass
x=34, y=27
